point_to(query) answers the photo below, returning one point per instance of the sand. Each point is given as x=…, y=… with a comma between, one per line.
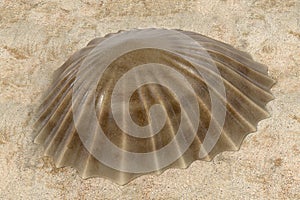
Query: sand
x=37, y=36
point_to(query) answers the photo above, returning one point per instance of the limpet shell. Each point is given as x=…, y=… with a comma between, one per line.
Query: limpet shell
x=145, y=100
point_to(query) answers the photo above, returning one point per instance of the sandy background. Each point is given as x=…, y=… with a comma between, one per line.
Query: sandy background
x=36, y=37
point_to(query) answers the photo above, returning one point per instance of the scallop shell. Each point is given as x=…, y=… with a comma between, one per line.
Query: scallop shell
x=142, y=101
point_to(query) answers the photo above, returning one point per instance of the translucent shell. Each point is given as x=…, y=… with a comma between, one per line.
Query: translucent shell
x=142, y=101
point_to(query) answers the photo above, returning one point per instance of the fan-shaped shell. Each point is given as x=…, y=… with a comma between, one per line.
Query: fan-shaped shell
x=143, y=101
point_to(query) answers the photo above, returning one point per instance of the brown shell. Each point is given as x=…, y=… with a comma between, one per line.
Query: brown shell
x=246, y=82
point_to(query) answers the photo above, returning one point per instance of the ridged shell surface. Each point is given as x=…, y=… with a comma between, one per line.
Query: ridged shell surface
x=142, y=101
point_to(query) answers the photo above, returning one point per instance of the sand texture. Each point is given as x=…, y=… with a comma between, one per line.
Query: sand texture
x=37, y=36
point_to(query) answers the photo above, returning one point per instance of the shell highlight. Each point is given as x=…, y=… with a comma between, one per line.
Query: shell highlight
x=142, y=101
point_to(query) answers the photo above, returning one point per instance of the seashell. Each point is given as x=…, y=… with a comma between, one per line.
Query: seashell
x=145, y=100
